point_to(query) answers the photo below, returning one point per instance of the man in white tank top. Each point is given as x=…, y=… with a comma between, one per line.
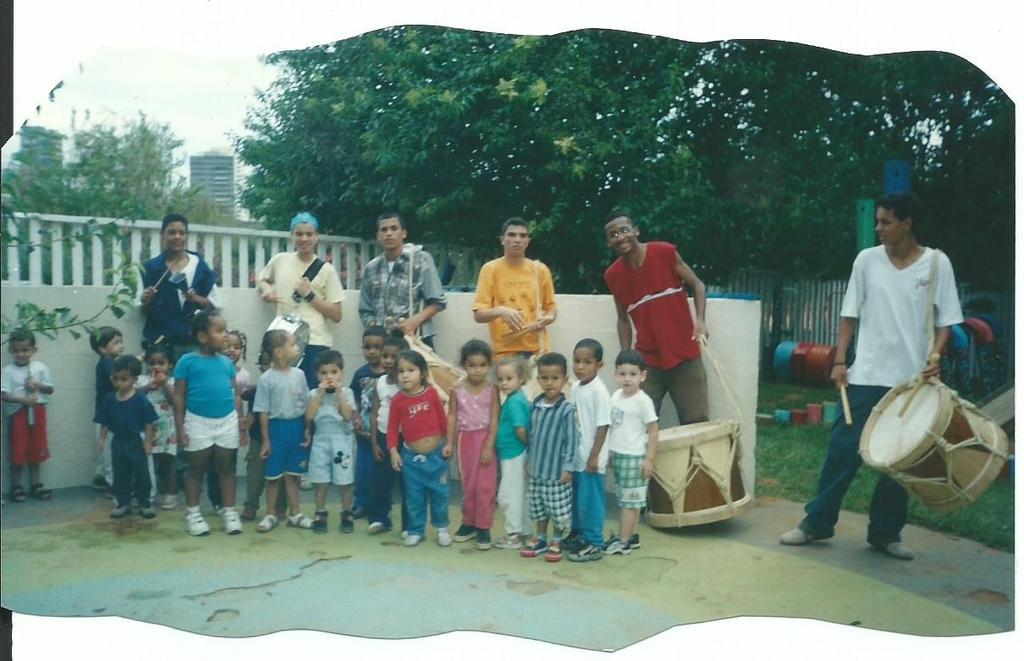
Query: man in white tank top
x=886, y=303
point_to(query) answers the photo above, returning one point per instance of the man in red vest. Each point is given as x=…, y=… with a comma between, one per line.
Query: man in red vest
x=649, y=282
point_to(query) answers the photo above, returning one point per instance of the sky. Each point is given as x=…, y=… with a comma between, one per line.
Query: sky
x=201, y=81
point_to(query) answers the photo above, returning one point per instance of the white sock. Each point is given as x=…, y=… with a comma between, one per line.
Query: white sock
x=192, y=510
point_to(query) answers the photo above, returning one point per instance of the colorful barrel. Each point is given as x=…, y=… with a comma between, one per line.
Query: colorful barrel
x=814, y=412
x=798, y=416
x=830, y=412
x=818, y=364
x=781, y=416
x=982, y=331
x=783, y=359
x=958, y=337
x=798, y=364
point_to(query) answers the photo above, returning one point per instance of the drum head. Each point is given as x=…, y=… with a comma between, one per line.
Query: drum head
x=891, y=438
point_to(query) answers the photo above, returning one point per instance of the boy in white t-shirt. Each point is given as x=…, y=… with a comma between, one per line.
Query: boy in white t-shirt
x=632, y=444
x=593, y=409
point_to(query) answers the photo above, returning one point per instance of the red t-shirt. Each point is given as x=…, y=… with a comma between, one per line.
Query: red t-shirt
x=664, y=325
x=416, y=417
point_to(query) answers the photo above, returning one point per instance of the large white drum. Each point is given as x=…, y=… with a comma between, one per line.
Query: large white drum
x=943, y=449
x=697, y=476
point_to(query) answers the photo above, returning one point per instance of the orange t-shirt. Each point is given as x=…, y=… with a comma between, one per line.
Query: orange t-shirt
x=516, y=287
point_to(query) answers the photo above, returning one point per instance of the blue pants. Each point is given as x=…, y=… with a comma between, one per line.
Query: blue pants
x=426, y=478
x=888, y=512
x=131, y=471
x=308, y=365
x=364, y=473
x=381, y=484
x=588, y=506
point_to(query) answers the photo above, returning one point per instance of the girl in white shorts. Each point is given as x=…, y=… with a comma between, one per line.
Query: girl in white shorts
x=207, y=415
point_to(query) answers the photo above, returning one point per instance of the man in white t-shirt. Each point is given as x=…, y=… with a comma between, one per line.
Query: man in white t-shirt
x=886, y=302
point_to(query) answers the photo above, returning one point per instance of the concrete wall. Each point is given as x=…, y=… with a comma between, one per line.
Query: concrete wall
x=734, y=326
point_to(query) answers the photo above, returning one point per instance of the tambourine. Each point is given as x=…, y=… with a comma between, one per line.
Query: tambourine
x=295, y=327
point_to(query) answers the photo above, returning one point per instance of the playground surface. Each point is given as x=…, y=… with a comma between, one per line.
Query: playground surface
x=67, y=557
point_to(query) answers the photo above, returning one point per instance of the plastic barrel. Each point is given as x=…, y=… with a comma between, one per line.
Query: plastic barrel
x=982, y=332
x=829, y=412
x=814, y=412
x=782, y=362
x=781, y=416
x=798, y=416
x=798, y=364
x=958, y=338
x=818, y=364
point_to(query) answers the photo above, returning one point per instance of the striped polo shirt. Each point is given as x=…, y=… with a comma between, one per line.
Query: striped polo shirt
x=554, y=437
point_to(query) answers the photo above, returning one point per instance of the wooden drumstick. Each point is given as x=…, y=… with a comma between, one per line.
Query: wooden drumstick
x=933, y=360
x=846, y=405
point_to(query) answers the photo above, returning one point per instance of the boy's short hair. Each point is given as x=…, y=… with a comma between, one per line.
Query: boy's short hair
x=128, y=364
x=330, y=357
x=22, y=335
x=375, y=331
x=518, y=363
x=631, y=357
x=617, y=213
x=396, y=340
x=592, y=344
x=553, y=359
x=100, y=337
x=514, y=220
x=388, y=215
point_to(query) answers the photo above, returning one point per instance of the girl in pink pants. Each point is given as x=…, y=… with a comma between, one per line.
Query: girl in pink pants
x=472, y=423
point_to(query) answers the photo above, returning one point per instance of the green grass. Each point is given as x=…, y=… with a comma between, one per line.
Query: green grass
x=789, y=460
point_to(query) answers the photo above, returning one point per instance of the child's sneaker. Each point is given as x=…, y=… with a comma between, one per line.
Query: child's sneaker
x=197, y=525
x=358, y=513
x=347, y=524
x=634, y=541
x=320, y=522
x=147, y=512
x=483, y=540
x=513, y=542
x=411, y=540
x=300, y=520
x=464, y=533
x=378, y=527
x=268, y=523
x=249, y=513
x=554, y=552
x=444, y=538
x=586, y=554
x=99, y=483
x=232, y=522
x=536, y=546
x=120, y=512
x=573, y=542
x=616, y=547
x=169, y=502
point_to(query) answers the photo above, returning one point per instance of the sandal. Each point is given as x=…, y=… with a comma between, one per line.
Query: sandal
x=319, y=522
x=268, y=523
x=39, y=492
x=249, y=514
x=300, y=520
x=18, y=494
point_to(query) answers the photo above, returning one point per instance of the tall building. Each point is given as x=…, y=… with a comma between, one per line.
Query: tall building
x=213, y=173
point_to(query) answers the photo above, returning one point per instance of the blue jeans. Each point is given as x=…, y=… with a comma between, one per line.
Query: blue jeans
x=426, y=477
x=308, y=365
x=364, y=473
x=588, y=511
x=382, y=482
x=131, y=471
x=888, y=512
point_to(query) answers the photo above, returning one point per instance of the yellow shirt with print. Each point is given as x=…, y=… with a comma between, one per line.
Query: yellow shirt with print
x=516, y=287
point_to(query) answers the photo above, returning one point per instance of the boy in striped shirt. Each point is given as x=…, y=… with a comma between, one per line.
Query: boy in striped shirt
x=554, y=437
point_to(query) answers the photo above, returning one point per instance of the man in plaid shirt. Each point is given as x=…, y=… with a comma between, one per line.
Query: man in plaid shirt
x=384, y=293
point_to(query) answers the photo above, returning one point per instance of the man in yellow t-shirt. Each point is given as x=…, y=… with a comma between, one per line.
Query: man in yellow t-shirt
x=507, y=293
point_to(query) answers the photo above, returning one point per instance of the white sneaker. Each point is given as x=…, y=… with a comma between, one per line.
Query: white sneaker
x=376, y=528
x=444, y=538
x=169, y=502
x=413, y=540
x=232, y=522
x=197, y=525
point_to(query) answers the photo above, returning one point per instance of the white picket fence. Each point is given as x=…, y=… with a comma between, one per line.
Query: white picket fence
x=47, y=257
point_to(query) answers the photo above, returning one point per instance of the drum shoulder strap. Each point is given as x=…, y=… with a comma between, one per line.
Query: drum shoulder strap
x=313, y=269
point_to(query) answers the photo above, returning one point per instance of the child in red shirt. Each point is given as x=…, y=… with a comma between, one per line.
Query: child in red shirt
x=417, y=418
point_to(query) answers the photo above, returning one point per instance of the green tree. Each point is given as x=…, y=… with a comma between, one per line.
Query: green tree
x=746, y=154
